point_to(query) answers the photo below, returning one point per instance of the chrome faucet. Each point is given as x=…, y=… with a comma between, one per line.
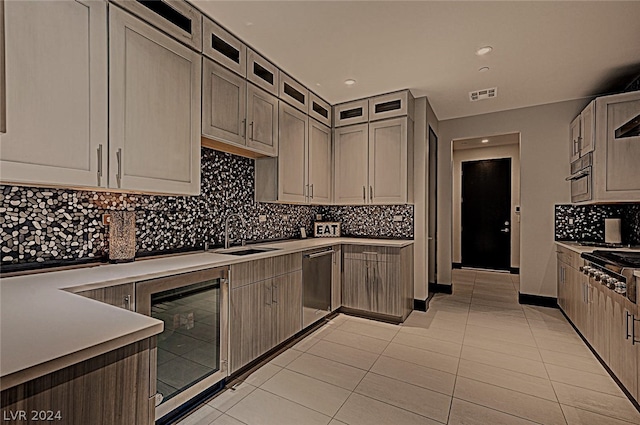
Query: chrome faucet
x=226, y=228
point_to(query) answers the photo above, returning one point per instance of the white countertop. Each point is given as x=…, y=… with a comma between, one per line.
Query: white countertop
x=44, y=328
x=576, y=247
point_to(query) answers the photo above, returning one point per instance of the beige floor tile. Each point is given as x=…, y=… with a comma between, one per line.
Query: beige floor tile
x=590, y=381
x=329, y=371
x=343, y=354
x=203, y=416
x=361, y=410
x=354, y=340
x=430, y=344
x=504, y=361
x=524, y=338
x=508, y=401
x=567, y=337
x=309, y=392
x=436, y=380
x=415, y=399
x=572, y=361
x=576, y=416
x=263, y=408
x=306, y=344
x=226, y=420
x=465, y=413
x=436, y=332
x=604, y=404
x=422, y=357
x=504, y=325
x=229, y=397
x=502, y=346
x=261, y=375
x=372, y=329
x=337, y=422
x=286, y=357
x=580, y=350
x=516, y=381
x=543, y=313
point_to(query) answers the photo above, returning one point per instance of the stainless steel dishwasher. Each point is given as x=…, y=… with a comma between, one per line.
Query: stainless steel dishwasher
x=317, y=268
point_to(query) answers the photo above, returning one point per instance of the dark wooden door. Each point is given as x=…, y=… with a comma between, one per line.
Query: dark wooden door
x=486, y=214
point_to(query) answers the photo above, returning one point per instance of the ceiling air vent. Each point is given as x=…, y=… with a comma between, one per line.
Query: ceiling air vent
x=474, y=96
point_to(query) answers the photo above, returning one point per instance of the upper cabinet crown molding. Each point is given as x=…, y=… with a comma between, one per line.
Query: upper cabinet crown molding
x=175, y=17
x=56, y=94
x=294, y=93
x=222, y=46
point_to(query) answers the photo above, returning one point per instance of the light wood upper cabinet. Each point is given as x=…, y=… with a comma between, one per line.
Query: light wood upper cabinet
x=351, y=164
x=388, y=161
x=175, y=17
x=223, y=47
x=391, y=105
x=319, y=109
x=262, y=121
x=56, y=94
x=224, y=106
x=319, y=167
x=294, y=93
x=292, y=155
x=349, y=113
x=154, y=105
x=262, y=73
x=587, y=129
x=575, y=129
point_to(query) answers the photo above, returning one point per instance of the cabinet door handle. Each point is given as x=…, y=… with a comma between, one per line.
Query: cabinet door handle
x=311, y=191
x=371, y=193
x=127, y=302
x=251, y=133
x=364, y=193
x=626, y=325
x=370, y=252
x=244, y=128
x=633, y=330
x=274, y=294
x=119, y=174
x=100, y=164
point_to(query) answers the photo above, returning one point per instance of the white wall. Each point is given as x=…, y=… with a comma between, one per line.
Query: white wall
x=424, y=117
x=544, y=164
x=487, y=152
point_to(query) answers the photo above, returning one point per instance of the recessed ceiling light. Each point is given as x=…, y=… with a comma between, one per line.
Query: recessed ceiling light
x=483, y=69
x=350, y=82
x=249, y=24
x=484, y=50
x=485, y=140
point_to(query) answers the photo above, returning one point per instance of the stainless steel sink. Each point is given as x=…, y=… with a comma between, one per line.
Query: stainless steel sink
x=245, y=251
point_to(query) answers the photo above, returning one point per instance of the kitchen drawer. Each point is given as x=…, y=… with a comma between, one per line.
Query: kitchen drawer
x=364, y=252
x=264, y=268
x=355, y=112
x=569, y=257
x=391, y=105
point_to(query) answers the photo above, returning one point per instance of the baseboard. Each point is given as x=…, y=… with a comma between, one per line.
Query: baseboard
x=456, y=265
x=537, y=300
x=440, y=288
x=514, y=270
x=420, y=305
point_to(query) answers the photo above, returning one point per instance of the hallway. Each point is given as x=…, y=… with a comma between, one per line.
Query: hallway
x=476, y=357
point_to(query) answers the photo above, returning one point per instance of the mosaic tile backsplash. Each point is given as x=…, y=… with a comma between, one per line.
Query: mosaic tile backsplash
x=57, y=225
x=588, y=222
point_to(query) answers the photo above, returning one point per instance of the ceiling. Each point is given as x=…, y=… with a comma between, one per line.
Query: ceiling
x=543, y=52
x=492, y=141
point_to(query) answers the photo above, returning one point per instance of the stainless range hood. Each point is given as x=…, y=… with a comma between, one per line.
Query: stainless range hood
x=629, y=129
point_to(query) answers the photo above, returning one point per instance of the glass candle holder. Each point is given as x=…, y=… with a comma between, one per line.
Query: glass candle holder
x=122, y=236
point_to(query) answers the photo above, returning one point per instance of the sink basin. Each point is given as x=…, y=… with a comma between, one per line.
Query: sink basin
x=245, y=251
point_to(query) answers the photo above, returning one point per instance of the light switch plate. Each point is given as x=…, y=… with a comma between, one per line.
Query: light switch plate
x=106, y=219
x=262, y=218
x=397, y=218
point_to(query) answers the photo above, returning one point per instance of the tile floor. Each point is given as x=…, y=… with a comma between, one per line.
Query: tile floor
x=476, y=357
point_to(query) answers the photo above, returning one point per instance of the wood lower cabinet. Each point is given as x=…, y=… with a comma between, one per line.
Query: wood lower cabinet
x=265, y=306
x=114, y=388
x=623, y=352
x=378, y=280
x=122, y=296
